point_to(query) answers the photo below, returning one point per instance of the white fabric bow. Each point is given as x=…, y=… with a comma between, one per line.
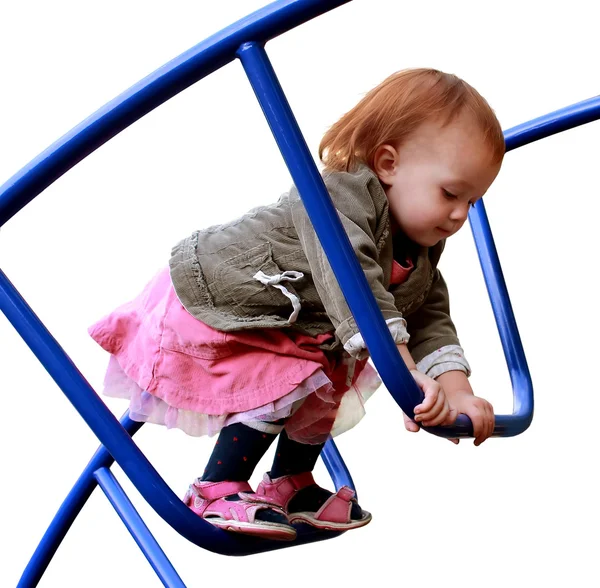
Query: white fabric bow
x=275, y=281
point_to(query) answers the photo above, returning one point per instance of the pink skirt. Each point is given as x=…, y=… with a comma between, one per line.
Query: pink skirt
x=177, y=371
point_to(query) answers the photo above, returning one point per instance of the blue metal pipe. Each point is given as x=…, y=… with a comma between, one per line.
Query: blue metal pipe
x=555, y=122
x=110, y=432
x=139, y=531
x=336, y=467
x=68, y=511
x=166, y=82
x=503, y=313
x=328, y=227
x=523, y=401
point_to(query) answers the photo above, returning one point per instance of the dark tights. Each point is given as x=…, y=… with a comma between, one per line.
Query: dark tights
x=239, y=449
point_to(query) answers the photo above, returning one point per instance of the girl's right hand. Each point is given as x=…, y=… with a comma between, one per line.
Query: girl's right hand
x=435, y=409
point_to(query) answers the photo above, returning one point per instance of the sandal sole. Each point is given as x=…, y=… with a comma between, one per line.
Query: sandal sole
x=308, y=518
x=276, y=533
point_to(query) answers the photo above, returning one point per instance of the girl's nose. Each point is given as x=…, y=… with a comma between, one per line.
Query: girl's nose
x=460, y=212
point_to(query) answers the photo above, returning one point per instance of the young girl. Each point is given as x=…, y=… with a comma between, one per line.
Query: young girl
x=247, y=334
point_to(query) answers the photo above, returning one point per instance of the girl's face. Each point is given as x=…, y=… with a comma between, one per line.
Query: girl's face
x=434, y=176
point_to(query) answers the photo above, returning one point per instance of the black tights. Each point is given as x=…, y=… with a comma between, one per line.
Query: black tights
x=239, y=449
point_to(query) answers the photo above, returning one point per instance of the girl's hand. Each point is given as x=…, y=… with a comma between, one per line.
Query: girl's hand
x=480, y=412
x=435, y=408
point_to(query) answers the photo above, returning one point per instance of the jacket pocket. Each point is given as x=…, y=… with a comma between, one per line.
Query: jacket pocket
x=252, y=285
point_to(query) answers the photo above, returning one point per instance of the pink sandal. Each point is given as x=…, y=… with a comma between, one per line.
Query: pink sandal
x=207, y=499
x=334, y=515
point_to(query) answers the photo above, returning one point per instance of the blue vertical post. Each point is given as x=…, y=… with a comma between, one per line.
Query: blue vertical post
x=328, y=227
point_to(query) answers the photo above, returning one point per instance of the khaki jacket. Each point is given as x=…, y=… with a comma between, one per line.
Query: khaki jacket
x=216, y=272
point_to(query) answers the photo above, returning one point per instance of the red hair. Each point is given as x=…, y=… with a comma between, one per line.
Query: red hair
x=396, y=107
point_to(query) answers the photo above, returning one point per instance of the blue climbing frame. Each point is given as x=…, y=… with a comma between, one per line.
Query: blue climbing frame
x=244, y=40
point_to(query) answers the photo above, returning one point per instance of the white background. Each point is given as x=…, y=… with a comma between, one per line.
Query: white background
x=518, y=512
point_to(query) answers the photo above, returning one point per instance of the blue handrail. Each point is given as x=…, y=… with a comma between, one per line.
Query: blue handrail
x=158, y=87
x=555, y=122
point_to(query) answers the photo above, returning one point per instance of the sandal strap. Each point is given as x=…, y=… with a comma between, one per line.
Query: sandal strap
x=239, y=510
x=281, y=490
x=337, y=507
x=260, y=499
x=215, y=490
x=208, y=499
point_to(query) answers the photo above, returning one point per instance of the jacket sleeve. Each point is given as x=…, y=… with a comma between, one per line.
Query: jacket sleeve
x=434, y=344
x=358, y=213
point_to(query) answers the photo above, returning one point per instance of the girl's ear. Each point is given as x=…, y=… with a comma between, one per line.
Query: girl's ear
x=385, y=162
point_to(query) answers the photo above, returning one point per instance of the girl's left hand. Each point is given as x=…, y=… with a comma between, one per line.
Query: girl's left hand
x=480, y=412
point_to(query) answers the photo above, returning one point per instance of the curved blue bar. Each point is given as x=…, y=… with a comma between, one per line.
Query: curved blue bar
x=139, y=531
x=519, y=421
x=333, y=237
x=336, y=467
x=518, y=136
x=68, y=511
x=146, y=95
x=552, y=123
x=328, y=227
x=505, y=320
x=102, y=422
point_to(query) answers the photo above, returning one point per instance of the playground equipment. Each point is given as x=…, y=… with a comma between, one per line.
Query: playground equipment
x=245, y=41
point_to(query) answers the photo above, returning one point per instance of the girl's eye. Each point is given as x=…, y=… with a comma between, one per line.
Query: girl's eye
x=449, y=195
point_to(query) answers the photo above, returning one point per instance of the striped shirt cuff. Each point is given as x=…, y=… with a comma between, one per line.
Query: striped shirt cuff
x=444, y=359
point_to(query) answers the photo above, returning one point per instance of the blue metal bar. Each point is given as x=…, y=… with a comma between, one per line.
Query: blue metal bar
x=139, y=531
x=68, y=511
x=555, y=122
x=114, y=437
x=327, y=225
x=507, y=327
x=166, y=82
x=336, y=467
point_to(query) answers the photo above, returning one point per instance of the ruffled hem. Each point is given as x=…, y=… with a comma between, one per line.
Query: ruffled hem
x=145, y=407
